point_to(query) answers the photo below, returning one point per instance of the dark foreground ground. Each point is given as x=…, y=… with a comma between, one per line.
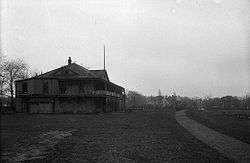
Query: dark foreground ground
x=112, y=137
x=231, y=125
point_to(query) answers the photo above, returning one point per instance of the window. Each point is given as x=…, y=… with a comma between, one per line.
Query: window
x=45, y=87
x=62, y=87
x=25, y=88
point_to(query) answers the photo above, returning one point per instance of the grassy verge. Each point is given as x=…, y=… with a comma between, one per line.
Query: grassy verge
x=114, y=137
x=233, y=126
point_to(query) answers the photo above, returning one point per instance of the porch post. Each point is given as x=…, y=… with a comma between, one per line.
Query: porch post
x=124, y=100
x=105, y=98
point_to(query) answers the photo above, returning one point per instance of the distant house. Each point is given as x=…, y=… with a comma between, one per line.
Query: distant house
x=69, y=89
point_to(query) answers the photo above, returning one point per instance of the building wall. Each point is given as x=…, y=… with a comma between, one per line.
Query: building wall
x=69, y=105
x=18, y=104
x=77, y=87
x=41, y=107
x=35, y=86
x=113, y=104
x=47, y=104
x=18, y=88
x=75, y=105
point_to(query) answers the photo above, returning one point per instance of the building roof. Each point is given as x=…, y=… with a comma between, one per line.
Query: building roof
x=101, y=74
x=73, y=71
x=69, y=70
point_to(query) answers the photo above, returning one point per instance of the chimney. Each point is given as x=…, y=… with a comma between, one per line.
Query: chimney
x=69, y=61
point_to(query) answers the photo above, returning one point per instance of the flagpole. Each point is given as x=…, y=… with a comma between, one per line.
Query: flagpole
x=104, y=57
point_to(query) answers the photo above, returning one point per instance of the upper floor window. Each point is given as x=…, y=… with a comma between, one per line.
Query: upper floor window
x=45, y=87
x=25, y=88
x=62, y=87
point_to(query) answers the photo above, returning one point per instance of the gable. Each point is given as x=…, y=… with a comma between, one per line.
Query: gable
x=65, y=72
x=83, y=72
x=69, y=71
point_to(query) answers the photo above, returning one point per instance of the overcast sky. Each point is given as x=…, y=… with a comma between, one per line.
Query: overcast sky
x=191, y=47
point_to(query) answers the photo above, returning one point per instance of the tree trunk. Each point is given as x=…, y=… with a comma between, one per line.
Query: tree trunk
x=12, y=94
x=1, y=86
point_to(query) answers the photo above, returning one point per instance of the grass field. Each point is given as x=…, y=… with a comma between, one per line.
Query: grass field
x=112, y=137
x=225, y=123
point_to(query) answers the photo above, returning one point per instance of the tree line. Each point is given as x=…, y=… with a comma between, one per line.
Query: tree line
x=135, y=100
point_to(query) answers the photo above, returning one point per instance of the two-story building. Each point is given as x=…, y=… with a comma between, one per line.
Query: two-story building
x=69, y=89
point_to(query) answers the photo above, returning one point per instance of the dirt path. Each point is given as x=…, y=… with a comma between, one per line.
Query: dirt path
x=232, y=148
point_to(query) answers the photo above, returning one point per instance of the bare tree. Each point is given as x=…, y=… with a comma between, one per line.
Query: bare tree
x=248, y=101
x=10, y=71
x=135, y=99
x=2, y=79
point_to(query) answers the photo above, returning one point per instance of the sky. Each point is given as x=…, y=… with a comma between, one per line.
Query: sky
x=195, y=48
